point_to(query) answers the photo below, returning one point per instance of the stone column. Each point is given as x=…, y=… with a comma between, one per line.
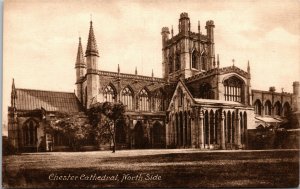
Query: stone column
x=183, y=134
x=214, y=129
x=223, y=147
x=201, y=134
x=167, y=131
x=238, y=131
x=175, y=130
x=208, y=136
x=189, y=130
x=193, y=131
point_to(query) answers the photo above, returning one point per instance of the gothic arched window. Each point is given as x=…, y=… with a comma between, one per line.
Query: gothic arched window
x=127, y=98
x=286, y=109
x=158, y=102
x=109, y=94
x=268, y=107
x=177, y=62
x=257, y=107
x=206, y=91
x=277, y=108
x=204, y=62
x=144, y=100
x=30, y=133
x=194, y=59
x=170, y=64
x=234, y=89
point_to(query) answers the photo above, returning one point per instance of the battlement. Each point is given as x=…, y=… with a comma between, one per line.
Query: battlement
x=184, y=15
x=210, y=23
x=165, y=30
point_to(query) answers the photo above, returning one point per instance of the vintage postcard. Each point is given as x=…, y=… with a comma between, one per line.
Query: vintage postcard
x=150, y=94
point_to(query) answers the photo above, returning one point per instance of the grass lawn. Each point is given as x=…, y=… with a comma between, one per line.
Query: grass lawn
x=153, y=168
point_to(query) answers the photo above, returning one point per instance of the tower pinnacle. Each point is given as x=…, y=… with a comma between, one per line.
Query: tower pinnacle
x=80, y=58
x=13, y=93
x=91, y=48
x=248, y=67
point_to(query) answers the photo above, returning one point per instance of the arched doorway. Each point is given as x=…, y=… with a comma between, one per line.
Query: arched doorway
x=140, y=140
x=120, y=133
x=158, y=134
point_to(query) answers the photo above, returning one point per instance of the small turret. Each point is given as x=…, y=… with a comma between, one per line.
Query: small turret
x=210, y=30
x=80, y=63
x=296, y=92
x=165, y=35
x=80, y=67
x=184, y=23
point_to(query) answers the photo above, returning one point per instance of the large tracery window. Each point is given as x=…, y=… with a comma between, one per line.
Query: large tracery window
x=206, y=91
x=144, y=100
x=30, y=133
x=170, y=64
x=127, y=98
x=158, y=102
x=177, y=62
x=257, y=107
x=268, y=107
x=233, y=89
x=194, y=60
x=109, y=94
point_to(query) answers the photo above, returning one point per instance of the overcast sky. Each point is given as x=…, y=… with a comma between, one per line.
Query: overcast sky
x=41, y=38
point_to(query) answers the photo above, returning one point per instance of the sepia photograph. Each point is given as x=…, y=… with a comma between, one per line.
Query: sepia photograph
x=151, y=94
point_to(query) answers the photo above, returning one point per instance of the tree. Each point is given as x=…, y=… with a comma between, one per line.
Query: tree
x=74, y=126
x=103, y=117
x=292, y=121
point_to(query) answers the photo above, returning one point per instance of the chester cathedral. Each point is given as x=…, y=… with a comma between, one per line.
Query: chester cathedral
x=195, y=104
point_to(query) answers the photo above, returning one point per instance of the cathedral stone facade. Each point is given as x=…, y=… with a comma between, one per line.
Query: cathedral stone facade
x=195, y=104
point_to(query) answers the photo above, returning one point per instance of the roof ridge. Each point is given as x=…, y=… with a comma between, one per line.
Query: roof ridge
x=44, y=90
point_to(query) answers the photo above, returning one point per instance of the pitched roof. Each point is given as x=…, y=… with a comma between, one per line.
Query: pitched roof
x=28, y=99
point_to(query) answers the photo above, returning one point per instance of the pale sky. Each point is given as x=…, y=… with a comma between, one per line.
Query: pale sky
x=41, y=38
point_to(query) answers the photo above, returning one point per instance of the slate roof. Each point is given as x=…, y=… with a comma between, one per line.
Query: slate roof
x=28, y=99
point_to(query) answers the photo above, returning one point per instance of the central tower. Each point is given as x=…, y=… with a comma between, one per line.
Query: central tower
x=187, y=53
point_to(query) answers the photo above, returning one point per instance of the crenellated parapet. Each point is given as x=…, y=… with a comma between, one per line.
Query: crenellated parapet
x=126, y=76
